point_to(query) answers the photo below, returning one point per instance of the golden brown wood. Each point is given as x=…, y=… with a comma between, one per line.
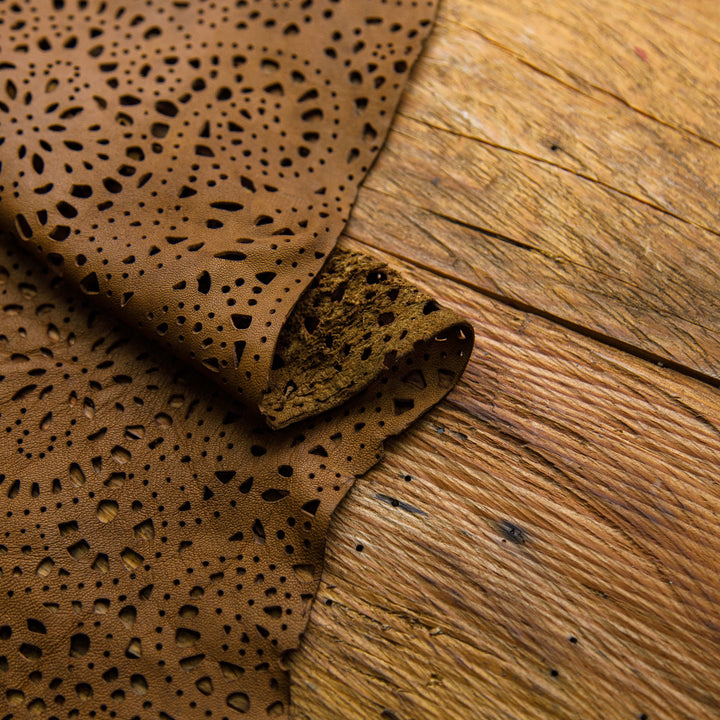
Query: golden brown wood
x=566, y=490
x=502, y=173
x=545, y=544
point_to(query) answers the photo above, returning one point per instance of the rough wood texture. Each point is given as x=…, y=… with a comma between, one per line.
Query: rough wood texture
x=545, y=543
x=536, y=183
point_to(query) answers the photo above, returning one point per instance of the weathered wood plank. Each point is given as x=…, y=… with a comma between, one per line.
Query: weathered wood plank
x=535, y=234
x=559, y=512
x=468, y=86
x=552, y=193
x=661, y=58
x=566, y=490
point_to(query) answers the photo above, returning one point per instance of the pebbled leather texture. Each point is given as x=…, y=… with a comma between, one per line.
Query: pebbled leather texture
x=184, y=169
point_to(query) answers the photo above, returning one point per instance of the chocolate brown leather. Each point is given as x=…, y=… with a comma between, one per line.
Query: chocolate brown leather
x=184, y=169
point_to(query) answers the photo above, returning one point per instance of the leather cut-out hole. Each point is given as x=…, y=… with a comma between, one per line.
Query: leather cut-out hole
x=258, y=532
x=139, y=684
x=191, y=662
x=401, y=405
x=131, y=559
x=225, y=476
x=79, y=549
x=107, y=510
x=185, y=637
x=134, y=648
x=144, y=530
x=165, y=107
x=304, y=573
x=79, y=645
x=84, y=691
x=204, y=282
x=241, y=322
x=120, y=455
x=273, y=495
x=311, y=507
x=246, y=486
x=205, y=685
x=45, y=567
x=266, y=277
x=30, y=652
x=239, y=701
x=77, y=476
x=230, y=671
x=115, y=480
x=101, y=563
x=239, y=350
x=128, y=616
x=67, y=528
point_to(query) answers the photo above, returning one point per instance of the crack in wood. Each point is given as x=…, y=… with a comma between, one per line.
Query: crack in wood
x=558, y=166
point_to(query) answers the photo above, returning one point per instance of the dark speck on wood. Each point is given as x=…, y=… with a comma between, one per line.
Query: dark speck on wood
x=512, y=532
x=407, y=507
x=388, y=715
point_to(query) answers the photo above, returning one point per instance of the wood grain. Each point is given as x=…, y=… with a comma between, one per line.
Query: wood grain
x=566, y=490
x=638, y=52
x=544, y=544
x=553, y=194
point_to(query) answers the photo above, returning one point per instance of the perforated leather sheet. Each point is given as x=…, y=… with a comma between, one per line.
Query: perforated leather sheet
x=184, y=169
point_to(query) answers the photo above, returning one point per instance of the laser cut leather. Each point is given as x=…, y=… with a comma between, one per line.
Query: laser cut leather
x=191, y=165
x=184, y=169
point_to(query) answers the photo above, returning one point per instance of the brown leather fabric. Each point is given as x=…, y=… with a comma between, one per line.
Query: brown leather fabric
x=189, y=164
x=185, y=169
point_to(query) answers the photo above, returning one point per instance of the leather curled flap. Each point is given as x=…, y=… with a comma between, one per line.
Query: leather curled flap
x=357, y=319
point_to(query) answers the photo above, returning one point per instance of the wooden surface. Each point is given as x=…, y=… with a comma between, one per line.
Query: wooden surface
x=546, y=543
